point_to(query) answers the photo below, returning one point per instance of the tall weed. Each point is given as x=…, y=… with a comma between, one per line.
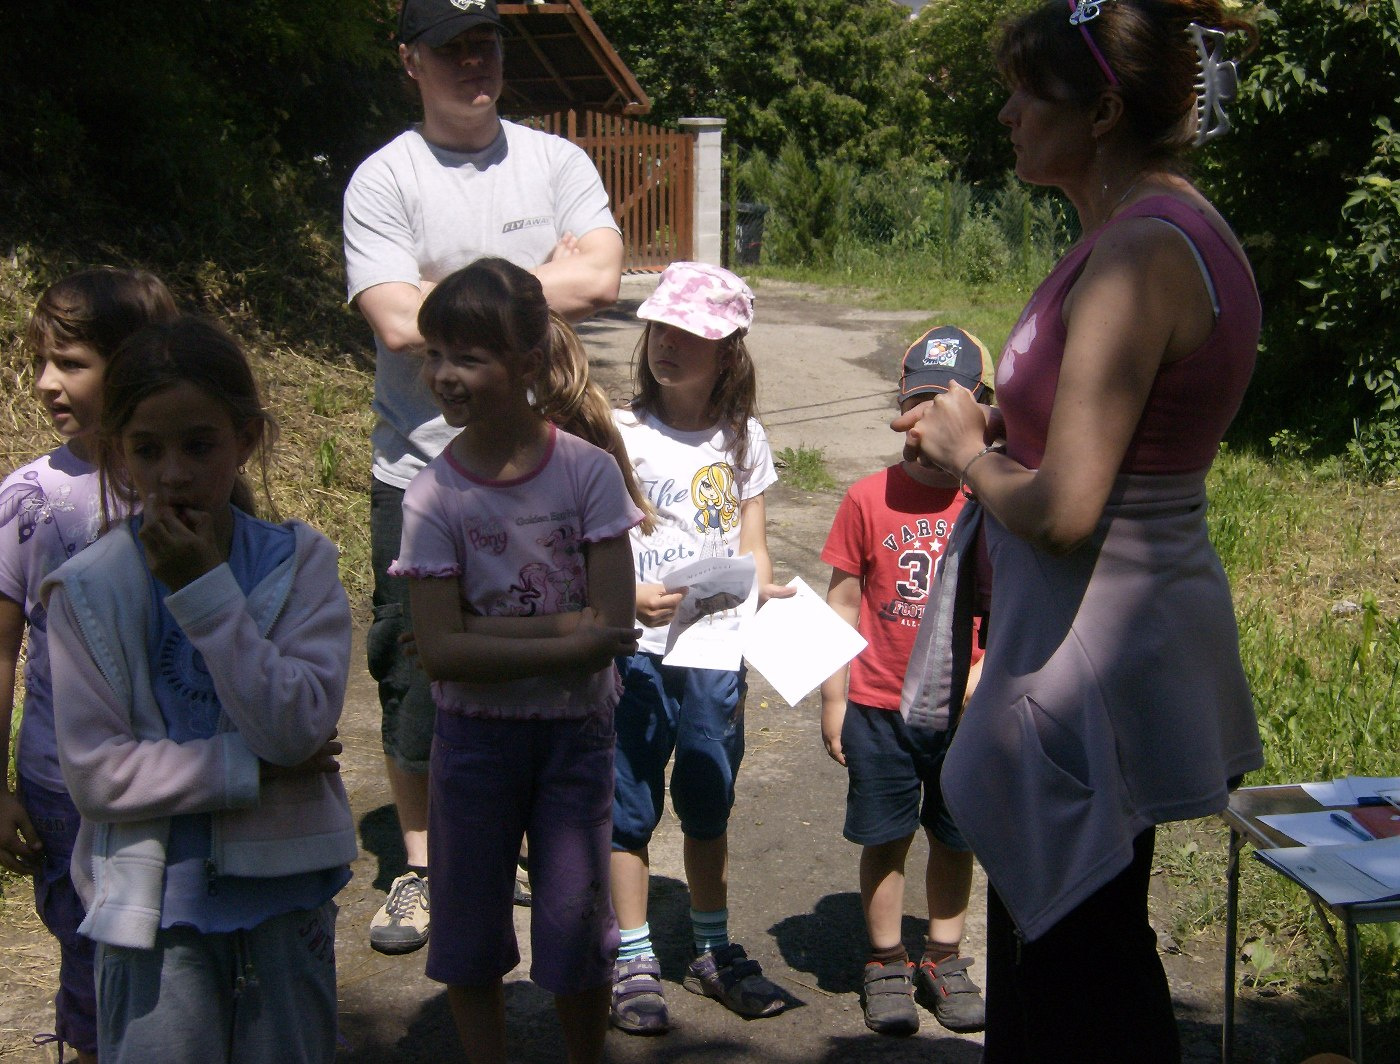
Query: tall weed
x=808, y=201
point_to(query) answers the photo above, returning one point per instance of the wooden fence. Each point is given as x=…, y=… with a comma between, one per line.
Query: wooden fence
x=648, y=173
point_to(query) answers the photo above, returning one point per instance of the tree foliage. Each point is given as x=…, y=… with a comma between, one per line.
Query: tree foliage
x=953, y=45
x=810, y=203
x=194, y=108
x=837, y=76
x=1311, y=180
x=239, y=123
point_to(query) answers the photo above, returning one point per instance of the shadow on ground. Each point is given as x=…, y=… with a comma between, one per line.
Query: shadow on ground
x=382, y=839
x=830, y=942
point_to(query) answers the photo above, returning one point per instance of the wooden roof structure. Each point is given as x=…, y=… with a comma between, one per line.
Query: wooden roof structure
x=557, y=59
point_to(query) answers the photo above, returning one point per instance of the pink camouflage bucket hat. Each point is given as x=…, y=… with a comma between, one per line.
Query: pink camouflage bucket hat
x=706, y=300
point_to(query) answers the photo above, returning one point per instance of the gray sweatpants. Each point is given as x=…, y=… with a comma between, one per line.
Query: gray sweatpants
x=267, y=994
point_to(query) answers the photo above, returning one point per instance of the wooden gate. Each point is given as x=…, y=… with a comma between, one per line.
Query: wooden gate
x=649, y=175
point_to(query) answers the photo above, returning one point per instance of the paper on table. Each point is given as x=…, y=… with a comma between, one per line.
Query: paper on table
x=1371, y=786
x=721, y=594
x=1327, y=793
x=1310, y=829
x=1380, y=860
x=798, y=642
x=1348, y=790
x=1331, y=874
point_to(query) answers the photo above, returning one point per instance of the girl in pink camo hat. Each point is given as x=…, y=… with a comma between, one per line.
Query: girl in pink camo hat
x=704, y=462
x=706, y=300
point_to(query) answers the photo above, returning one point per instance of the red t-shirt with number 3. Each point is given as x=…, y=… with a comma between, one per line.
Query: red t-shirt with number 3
x=890, y=530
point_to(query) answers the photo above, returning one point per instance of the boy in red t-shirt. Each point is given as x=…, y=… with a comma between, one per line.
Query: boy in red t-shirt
x=883, y=546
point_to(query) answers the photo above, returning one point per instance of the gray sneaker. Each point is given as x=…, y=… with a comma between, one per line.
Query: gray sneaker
x=946, y=991
x=401, y=924
x=638, y=1001
x=726, y=974
x=888, y=998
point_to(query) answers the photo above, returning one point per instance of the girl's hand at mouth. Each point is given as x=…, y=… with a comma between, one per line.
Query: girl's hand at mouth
x=181, y=543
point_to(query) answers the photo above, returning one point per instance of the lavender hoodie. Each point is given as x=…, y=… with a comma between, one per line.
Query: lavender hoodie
x=279, y=660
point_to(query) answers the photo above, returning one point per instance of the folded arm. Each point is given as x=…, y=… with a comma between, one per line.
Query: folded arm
x=283, y=692
x=499, y=649
x=111, y=774
x=583, y=276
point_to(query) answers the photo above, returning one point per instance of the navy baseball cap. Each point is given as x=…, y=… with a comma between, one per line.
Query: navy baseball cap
x=944, y=354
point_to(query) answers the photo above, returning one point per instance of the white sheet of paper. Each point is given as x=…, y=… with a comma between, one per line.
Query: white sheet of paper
x=798, y=642
x=1329, y=872
x=1347, y=789
x=1380, y=860
x=721, y=594
x=1326, y=793
x=1310, y=829
x=704, y=647
x=1371, y=786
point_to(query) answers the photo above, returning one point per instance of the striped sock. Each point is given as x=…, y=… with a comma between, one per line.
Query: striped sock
x=711, y=930
x=635, y=943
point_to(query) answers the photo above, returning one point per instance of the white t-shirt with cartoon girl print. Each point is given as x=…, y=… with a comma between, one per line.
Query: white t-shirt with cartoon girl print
x=690, y=479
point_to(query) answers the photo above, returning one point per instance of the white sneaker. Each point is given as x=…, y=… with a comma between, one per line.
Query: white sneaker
x=401, y=924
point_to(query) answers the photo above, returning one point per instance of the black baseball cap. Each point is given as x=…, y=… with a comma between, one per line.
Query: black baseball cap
x=942, y=355
x=435, y=22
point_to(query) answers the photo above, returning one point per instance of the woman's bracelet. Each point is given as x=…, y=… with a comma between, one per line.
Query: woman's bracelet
x=998, y=445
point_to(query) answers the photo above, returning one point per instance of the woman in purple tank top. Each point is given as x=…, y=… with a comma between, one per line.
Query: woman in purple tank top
x=1112, y=697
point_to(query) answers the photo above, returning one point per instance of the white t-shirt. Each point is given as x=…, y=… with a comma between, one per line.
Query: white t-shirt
x=697, y=492
x=416, y=212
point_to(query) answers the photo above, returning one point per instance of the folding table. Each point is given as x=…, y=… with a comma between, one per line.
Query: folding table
x=1242, y=815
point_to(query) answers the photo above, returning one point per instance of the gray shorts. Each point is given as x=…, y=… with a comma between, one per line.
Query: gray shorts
x=222, y=998
x=405, y=695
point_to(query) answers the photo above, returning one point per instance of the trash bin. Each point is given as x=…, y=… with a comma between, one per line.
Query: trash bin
x=748, y=232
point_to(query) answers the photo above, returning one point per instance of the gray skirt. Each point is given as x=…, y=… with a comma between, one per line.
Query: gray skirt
x=1112, y=698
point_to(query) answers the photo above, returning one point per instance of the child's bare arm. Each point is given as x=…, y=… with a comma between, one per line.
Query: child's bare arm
x=611, y=584
x=19, y=843
x=753, y=539
x=974, y=676
x=843, y=596
x=540, y=626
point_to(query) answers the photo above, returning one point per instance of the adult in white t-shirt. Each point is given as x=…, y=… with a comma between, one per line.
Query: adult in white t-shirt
x=461, y=185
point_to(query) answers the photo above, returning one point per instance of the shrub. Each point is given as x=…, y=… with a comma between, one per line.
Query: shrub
x=1373, y=452
x=809, y=204
x=980, y=255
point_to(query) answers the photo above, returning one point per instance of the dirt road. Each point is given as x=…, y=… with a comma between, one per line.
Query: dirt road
x=827, y=374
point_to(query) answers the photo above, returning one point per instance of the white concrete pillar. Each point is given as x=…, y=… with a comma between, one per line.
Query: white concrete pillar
x=705, y=194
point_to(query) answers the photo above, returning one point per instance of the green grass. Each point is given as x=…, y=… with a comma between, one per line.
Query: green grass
x=875, y=278
x=804, y=468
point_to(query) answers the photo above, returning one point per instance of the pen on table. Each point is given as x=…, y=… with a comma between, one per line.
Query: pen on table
x=1351, y=825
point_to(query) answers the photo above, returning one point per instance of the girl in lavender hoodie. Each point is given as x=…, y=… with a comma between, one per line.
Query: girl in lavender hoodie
x=199, y=660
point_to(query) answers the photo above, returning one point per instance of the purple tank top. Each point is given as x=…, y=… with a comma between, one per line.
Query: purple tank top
x=1192, y=400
